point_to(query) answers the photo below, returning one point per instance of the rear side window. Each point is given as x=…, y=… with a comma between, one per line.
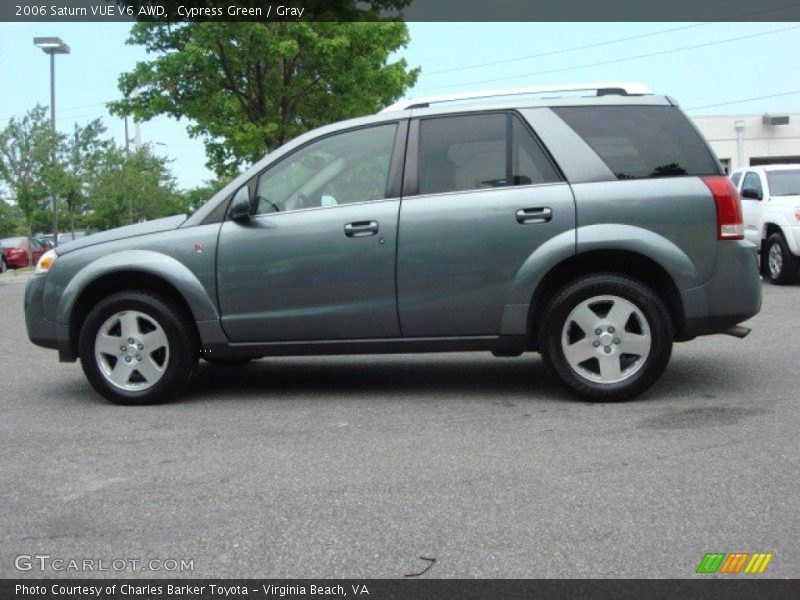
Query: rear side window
x=736, y=177
x=471, y=152
x=784, y=183
x=638, y=142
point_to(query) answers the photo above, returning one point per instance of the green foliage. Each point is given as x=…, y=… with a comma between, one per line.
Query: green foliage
x=28, y=166
x=81, y=156
x=10, y=220
x=127, y=188
x=195, y=198
x=249, y=87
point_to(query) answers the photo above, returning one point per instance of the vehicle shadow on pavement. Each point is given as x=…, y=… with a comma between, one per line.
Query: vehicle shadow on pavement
x=523, y=379
x=461, y=377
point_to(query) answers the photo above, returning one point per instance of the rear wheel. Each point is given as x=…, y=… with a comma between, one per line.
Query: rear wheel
x=606, y=337
x=137, y=348
x=783, y=267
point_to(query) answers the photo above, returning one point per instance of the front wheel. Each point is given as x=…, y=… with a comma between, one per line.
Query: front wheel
x=606, y=337
x=137, y=348
x=782, y=265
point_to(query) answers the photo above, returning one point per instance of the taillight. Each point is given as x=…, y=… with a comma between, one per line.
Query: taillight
x=730, y=224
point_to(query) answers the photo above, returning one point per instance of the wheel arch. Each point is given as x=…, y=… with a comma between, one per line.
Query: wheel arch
x=143, y=270
x=622, y=262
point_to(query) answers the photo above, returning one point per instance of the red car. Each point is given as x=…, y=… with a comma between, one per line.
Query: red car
x=16, y=250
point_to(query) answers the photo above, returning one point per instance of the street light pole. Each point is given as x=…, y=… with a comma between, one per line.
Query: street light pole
x=52, y=46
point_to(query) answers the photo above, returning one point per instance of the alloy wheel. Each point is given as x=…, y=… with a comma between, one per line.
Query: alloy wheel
x=606, y=339
x=131, y=350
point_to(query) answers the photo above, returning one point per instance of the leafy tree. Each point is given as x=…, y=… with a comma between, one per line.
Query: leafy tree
x=28, y=165
x=80, y=157
x=197, y=196
x=10, y=219
x=249, y=87
x=127, y=188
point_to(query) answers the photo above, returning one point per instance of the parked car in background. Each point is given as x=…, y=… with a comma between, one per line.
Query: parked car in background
x=47, y=238
x=771, y=209
x=16, y=249
x=70, y=236
x=595, y=229
x=3, y=263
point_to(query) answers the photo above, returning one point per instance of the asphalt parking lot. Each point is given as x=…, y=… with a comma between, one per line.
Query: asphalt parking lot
x=359, y=466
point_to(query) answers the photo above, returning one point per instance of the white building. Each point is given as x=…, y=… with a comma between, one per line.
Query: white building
x=750, y=140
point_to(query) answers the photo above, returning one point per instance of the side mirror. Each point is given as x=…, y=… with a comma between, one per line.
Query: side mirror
x=751, y=193
x=241, y=206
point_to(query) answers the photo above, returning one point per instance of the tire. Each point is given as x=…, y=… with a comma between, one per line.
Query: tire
x=599, y=368
x=165, y=348
x=227, y=362
x=782, y=267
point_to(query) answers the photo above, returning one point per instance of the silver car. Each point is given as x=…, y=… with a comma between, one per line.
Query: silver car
x=596, y=228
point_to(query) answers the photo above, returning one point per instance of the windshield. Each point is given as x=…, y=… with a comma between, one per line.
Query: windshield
x=784, y=183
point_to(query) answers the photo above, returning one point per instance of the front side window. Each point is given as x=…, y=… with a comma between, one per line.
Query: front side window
x=735, y=178
x=340, y=169
x=752, y=180
x=638, y=142
x=471, y=152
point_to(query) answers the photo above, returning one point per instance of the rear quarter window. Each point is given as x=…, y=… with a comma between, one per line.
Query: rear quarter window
x=638, y=142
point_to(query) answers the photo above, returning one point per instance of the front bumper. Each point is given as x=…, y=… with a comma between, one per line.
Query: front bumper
x=732, y=295
x=41, y=331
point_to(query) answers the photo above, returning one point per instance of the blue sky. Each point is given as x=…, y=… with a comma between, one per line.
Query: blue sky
x=709, y=71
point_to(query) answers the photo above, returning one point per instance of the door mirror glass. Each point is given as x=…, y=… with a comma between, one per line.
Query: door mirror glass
x=751, y=193
x=241, y=207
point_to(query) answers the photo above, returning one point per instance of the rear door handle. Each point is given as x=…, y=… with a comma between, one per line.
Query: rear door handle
x=529, y=216
x=361, y=228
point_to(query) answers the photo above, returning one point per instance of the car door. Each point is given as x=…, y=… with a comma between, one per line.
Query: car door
x=317, y=259
x=482, y=196
x=752, y=207
x=37, y=249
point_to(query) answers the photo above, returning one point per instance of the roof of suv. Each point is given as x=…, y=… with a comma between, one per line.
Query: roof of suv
x=522, y=97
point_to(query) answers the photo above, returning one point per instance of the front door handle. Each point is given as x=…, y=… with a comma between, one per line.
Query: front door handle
x=361, y=229
x=528, y=216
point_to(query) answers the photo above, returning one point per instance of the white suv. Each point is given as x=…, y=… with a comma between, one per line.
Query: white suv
x=771, y=209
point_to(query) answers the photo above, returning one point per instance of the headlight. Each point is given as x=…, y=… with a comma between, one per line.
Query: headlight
x=46, y=261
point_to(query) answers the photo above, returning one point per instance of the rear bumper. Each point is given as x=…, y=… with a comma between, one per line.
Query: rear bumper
x=731, y=296
x=41, y=331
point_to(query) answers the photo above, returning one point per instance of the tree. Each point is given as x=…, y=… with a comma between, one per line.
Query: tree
x=10, y=219
x=195, y=198
x=127, y=188
x=80, y=157
x=28, y=165
x=249, y=87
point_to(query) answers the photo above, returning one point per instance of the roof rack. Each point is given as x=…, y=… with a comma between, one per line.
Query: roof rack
x=601, y=89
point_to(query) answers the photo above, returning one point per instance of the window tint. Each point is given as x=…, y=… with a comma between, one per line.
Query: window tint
x=641, y=141
x=752, y=180
x=784, y=183
x=735, y=178
x=472, y=152
x=340, y=169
